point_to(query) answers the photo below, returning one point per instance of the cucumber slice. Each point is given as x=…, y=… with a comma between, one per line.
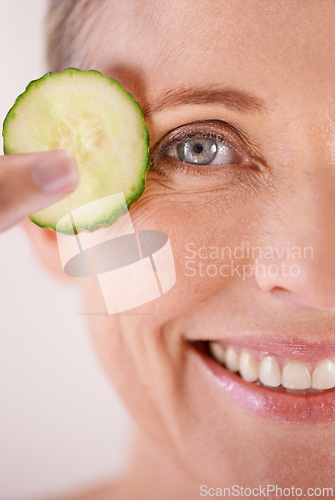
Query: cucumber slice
x=102, y=125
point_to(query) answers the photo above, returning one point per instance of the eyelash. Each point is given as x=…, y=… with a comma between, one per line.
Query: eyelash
x=176, y=165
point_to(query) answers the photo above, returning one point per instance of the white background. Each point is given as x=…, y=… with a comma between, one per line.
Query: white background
x=62, y=427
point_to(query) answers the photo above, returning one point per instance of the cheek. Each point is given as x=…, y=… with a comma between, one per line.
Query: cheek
x=150, y=368
x=191, y=221
x=198, y=224
x=145, y=366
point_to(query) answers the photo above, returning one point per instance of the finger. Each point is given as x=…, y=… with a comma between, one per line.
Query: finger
x=32, y=181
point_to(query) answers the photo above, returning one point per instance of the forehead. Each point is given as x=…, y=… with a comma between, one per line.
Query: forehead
x=263, y=43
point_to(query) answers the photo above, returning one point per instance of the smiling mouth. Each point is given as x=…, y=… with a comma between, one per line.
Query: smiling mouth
x=280, y=374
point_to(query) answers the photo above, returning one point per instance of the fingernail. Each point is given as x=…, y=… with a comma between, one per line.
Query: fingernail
x=57, y=173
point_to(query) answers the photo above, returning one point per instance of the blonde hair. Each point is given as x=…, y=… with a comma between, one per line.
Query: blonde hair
x=66, y=27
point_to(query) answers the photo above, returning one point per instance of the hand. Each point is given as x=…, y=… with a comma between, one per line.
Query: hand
x=32, y=181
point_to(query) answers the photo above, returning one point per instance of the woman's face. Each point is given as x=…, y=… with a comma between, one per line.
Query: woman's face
x=247, y=87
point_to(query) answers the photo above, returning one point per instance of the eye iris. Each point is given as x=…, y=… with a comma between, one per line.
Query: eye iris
x=198, y=150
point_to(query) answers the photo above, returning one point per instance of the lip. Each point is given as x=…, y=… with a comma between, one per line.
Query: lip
x=285, y=407
x=292, y=348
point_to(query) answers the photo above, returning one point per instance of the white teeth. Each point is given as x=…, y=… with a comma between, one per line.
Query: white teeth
x=324, y=375
x=231, y=359
x=296, y=376
x=218, y=351
x=269, y=372
x=248, y=367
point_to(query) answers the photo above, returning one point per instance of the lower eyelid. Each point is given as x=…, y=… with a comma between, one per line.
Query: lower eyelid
x=185, y=174
x=177, y=166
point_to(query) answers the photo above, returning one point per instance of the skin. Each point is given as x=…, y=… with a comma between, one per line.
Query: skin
x=282, y=52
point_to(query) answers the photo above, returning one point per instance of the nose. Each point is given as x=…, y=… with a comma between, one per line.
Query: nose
x=300, y=259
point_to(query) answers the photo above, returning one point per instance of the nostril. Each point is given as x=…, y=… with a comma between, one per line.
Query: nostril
x=303, y=297
x=279, y=291
x=288, y=297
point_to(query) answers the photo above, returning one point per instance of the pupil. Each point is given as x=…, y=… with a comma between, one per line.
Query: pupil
x=198, y=148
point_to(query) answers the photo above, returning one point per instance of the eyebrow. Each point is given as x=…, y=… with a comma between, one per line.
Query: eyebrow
x=236, y=100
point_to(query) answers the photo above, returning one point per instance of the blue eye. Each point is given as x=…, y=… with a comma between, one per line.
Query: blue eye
x=201, y=151
x=198, y=150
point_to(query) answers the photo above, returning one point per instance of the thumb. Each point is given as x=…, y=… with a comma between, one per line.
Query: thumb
x=32, y=181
